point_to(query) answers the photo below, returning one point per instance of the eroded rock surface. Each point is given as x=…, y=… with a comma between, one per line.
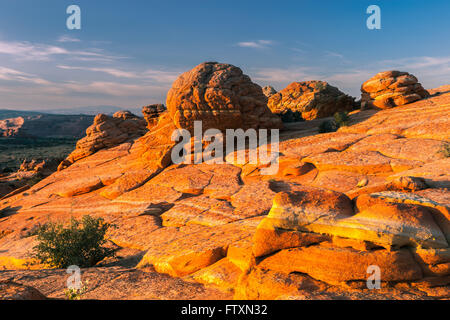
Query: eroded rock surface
x=313, y=99
x=391, y=88
x=106, y=132
x=222, y=97
x=339, y=203
x=152, y=113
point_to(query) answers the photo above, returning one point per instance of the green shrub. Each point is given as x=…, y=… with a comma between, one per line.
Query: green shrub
x=445, y=150
x=75, y=294
x=328, y=126
x=81, y=243
x=291, y=116
x=341, y=119
x=35, y=179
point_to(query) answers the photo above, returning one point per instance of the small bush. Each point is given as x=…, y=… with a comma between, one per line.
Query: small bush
x=35, y=179
x=75, y=294
x=328, y=126
x=81, y=243
x=341, y=119
x=445, y=150
x=291, y=116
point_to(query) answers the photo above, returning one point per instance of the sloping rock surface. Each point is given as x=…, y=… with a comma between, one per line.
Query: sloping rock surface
x=339, y=203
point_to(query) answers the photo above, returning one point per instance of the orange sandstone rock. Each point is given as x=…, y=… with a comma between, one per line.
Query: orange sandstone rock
x=333, y=265
x=220, y=96
x=391, y=88
x=313, y=99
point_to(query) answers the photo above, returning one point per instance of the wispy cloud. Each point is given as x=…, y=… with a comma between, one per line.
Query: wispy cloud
x=111, y=71
x=284, y=75
x=66, y=38
x=426, y=62
x=110, y=88
x=42, y=52
x=26, y=50
x=258, y=44
x=156, y=75
x=334, y=54
x=9, y=74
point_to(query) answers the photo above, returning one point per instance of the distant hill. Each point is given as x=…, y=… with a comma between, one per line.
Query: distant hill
x=94, y=110
x=8, y=114
x=43, y=125
x=61, y=123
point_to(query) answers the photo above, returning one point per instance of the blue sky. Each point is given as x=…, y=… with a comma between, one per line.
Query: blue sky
x=128, y=53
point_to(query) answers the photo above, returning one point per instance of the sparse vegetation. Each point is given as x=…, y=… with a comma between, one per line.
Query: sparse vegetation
x=341, y=119
x=445, y=149
x=35, y=179
x=327, y=126
x=81, y=243
x=291, y=116
x=75, y=294
x=13, y=151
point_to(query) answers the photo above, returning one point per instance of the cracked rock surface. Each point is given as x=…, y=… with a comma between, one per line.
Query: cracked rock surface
x=373, y=193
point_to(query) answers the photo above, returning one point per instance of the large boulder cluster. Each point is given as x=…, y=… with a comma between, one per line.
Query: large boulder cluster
x=269, y=91
x=317, y=231
x=152, y=113
x=106, y=132
x=222, y=97
x=390, y=89
x=312, y=99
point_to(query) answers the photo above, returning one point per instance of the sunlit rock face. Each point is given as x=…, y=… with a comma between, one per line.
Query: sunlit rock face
x=340, y=202
x=312, y=99
x=152, y=113
x=269, y=91
x=390, y=89
x=222, y=97
x=106, y=132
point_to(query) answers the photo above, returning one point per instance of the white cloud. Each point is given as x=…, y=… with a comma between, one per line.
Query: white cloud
x=110, y=88
x=334, y=54
x=150, y=74
x=284, y=75
x=66, y=38
x=258, y=44
x=26, y=50
x=9, y=74
x=111, y=71
x=42, y=52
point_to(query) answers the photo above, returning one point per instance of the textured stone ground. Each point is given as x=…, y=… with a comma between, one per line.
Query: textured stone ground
x=375, y=192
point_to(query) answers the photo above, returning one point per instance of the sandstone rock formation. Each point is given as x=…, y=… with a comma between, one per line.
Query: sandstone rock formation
x=106, y=132
x=29, y=173
x=269, y=91
x=390, y=89
x=313, y=99
x=44, y=167
x=222, y=97
x=339, y=203
x=14, y=291
x=152, y=113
